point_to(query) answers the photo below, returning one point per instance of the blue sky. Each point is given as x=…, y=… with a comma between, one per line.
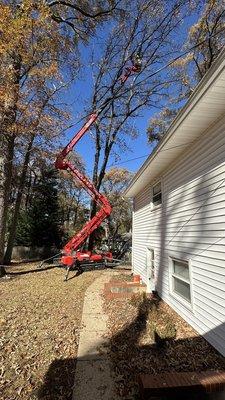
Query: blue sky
x=78, y=97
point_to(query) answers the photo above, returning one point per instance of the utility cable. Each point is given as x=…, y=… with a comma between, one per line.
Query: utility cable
x=200, y=207
x=208, y=247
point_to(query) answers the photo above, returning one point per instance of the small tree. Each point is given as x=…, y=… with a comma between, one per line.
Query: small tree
x=119, y=224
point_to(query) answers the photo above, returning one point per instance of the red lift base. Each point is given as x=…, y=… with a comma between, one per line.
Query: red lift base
x=70, y=260
x=83, y=260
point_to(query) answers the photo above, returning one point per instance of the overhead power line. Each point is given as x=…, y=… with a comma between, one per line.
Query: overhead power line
x=128, y=160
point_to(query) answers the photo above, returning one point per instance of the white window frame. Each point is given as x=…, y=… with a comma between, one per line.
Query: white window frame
x=176, y=295
x=153, y=206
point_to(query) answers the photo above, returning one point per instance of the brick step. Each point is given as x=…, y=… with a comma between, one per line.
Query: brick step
x=123, y=285
x=180, y=383
x=123, y=289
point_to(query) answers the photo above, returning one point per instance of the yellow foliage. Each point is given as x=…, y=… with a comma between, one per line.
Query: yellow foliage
x=181, y=62
x=31, y=47
x=29, y=32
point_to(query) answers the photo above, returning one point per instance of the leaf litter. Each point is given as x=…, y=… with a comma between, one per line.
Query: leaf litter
x=39, y=332
x=148, y=337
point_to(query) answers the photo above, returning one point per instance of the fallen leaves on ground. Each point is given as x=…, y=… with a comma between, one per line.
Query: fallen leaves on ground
x=134, y=326
x=39, y=331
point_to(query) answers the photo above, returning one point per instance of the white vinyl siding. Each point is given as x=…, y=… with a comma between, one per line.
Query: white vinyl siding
x=190, y=225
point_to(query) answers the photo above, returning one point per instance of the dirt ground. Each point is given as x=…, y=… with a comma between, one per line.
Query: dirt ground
x=147, y=336
x=39, y=331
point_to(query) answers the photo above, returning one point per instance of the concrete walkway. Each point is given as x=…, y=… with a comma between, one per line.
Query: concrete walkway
x=93, y=376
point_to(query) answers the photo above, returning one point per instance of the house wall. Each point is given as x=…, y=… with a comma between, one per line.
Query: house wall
x=189, y=225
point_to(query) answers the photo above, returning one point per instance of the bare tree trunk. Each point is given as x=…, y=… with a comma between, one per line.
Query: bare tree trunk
x=7, y=145
x=2, y=198
x=13, y=226
x=97, y=180
x=3, y=213
x=93, y=205
x=29, y=183
x=7, y=133
x=76, y=214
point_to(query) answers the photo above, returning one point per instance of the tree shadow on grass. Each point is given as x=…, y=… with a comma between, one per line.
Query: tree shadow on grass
x=130, y=359
x=59, y=380
x=46, y=268
x=77, y=273
x=30, y=271
x=164, y=354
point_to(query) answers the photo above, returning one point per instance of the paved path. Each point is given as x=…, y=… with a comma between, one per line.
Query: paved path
x=93, y=377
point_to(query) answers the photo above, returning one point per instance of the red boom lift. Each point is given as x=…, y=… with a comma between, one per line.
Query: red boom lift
x=71, y=256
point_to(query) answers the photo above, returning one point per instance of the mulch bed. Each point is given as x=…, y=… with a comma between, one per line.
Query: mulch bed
x=39, y=331
x=147, y=336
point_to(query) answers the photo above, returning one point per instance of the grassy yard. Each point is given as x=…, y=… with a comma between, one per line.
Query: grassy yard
x=39, y=332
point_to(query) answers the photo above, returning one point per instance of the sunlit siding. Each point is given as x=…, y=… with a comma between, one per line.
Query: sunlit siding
x=190, y=225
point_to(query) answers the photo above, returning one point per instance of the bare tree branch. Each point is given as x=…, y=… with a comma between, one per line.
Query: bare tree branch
x=82, y=11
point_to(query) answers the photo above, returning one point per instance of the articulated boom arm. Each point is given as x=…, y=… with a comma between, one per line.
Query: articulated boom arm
x=104, y=212
x=63, y=164
x=96, y=221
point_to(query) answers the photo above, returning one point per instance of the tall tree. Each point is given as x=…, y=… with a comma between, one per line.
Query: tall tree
x=148, y=29
x=29, y=48
x=32, y=50
x=37, y=47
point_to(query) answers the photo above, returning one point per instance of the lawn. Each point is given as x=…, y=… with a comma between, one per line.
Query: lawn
x=39, y=332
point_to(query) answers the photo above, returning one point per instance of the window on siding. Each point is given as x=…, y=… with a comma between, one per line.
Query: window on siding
x=157, y=194
x=181, y=279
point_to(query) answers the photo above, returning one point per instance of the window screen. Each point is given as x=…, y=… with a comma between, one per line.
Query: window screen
x=181, y=279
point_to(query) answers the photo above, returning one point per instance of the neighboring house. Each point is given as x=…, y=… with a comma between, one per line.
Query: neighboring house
x=179, y=211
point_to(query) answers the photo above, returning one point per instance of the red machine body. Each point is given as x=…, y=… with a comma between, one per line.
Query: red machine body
x=86, y=256
x=71, y=254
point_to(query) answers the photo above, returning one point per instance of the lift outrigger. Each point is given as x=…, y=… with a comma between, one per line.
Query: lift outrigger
x=71, y=256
